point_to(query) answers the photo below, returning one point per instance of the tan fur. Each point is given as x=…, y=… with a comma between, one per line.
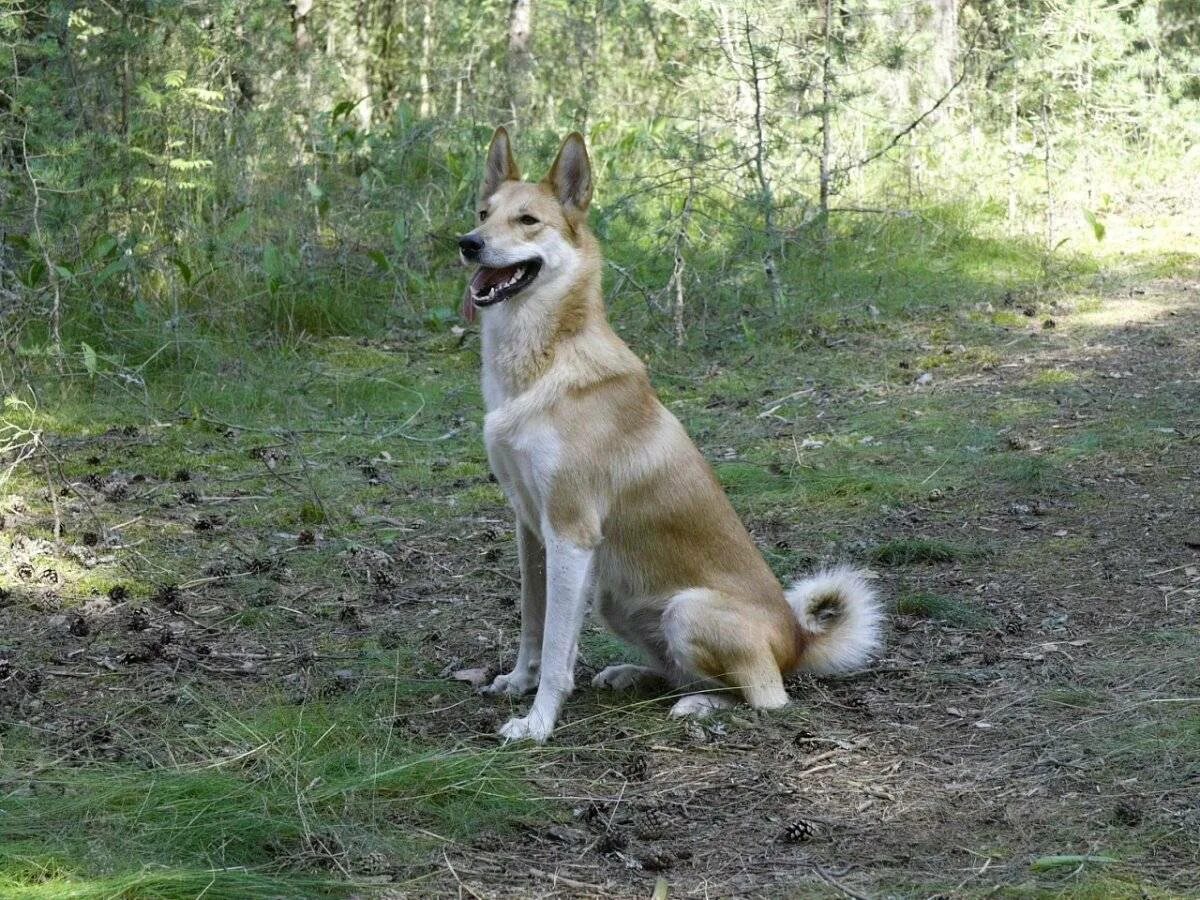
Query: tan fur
x=674, y=570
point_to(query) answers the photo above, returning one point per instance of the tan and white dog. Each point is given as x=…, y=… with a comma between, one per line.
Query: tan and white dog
x=614, y=503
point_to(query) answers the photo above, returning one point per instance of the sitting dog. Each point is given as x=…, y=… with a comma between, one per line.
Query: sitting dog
x=614, y=503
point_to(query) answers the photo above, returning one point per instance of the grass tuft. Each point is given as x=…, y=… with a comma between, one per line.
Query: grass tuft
x=940, y=609
x=278, y=803
x=907, y=551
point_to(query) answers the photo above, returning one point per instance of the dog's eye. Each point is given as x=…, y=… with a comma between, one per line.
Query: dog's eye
x=482, y=214
x=528, y=220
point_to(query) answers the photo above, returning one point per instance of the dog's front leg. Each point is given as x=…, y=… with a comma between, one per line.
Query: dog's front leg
x=524, y=676
x=567, y=570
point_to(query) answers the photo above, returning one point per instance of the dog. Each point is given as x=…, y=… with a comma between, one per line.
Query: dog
x=615, y=506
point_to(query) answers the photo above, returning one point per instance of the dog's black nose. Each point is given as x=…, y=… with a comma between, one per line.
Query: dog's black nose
x=470, y=245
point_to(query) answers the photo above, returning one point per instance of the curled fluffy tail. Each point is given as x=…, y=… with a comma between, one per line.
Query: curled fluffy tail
x=840, y=617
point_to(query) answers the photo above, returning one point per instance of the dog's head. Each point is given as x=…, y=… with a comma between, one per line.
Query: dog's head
x=527, y=236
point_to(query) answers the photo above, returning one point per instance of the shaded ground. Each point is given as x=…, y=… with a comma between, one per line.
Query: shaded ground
x=1033, y=514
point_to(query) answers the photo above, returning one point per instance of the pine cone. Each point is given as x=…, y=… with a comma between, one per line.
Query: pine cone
x=636, y=768
x=649, y=824
x=798, y=832
x=805, y=741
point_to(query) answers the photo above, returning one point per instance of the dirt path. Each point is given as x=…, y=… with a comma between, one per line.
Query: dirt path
x=1041, y=732
x=1062, y=723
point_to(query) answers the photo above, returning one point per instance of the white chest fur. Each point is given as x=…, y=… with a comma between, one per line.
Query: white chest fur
x=524, y=454
x=523, y=446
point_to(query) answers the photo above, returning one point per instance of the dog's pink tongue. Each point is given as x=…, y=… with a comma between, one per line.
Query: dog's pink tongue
x=486, y=279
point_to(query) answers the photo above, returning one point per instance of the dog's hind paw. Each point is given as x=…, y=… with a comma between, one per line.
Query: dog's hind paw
x=514, y=684
x=530, y=727
x=626, y=678
x=699, y=705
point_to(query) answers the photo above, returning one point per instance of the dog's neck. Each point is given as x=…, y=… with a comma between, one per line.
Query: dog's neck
x=522, y=340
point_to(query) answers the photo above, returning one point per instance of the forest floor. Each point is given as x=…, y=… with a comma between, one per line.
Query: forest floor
x=230, y=672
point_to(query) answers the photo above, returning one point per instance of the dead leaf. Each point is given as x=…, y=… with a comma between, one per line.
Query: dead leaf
x=473, y=677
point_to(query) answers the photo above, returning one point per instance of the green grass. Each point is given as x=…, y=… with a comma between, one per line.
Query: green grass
x=53, y=878
x=265, y=799
x=277, y=800
x=1072, y=697
x=599, y=648
x=908, y=551
x=940, y=609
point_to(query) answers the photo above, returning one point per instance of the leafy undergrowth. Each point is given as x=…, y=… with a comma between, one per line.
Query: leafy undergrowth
x=236, y=586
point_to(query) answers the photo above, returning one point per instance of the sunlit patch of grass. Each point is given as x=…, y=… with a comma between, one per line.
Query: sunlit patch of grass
x=750, y=480
x=1006, y=318
x=970, y=359
x=1018, y=410
x=1052, y=377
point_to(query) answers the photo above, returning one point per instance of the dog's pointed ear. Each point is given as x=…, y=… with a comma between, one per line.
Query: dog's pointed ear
x=571, y=175
x=500, y=166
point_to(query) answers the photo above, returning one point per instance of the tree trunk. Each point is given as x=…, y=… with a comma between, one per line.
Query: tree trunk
x=300, y=11
x=360, y=68
x=426, y=107
x=1014, y=156
x=520, y=58
x=383, y=64
x=826, y=173
x=678, y=273
x=126, y=93
x=766, y=197
x=1048, y=173
x=943, y=50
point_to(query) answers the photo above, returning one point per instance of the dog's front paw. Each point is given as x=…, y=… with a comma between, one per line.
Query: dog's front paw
x=529, y=728
x=514, y=684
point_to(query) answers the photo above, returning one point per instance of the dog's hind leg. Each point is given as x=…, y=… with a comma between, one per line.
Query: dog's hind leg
x=700, y=705
x=628, y=677
x=639, y=627
x=712, y=639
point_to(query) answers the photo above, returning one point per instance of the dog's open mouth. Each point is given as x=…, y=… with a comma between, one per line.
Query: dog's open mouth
x=495, y=285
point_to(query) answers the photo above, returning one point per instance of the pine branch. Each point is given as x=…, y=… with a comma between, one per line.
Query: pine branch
x=915, y=123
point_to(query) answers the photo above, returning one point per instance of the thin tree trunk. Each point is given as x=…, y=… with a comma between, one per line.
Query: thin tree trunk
x=520, y=57
x=1013, y=155
x=360, y=68
x=678, y=273
x=126, y=91
x=765, y=195
x=383, y=64
x=426, y=107
x=944, y=51
x=1047, y=171
x=728, y=47
x=826, y=173
x=300, y=11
